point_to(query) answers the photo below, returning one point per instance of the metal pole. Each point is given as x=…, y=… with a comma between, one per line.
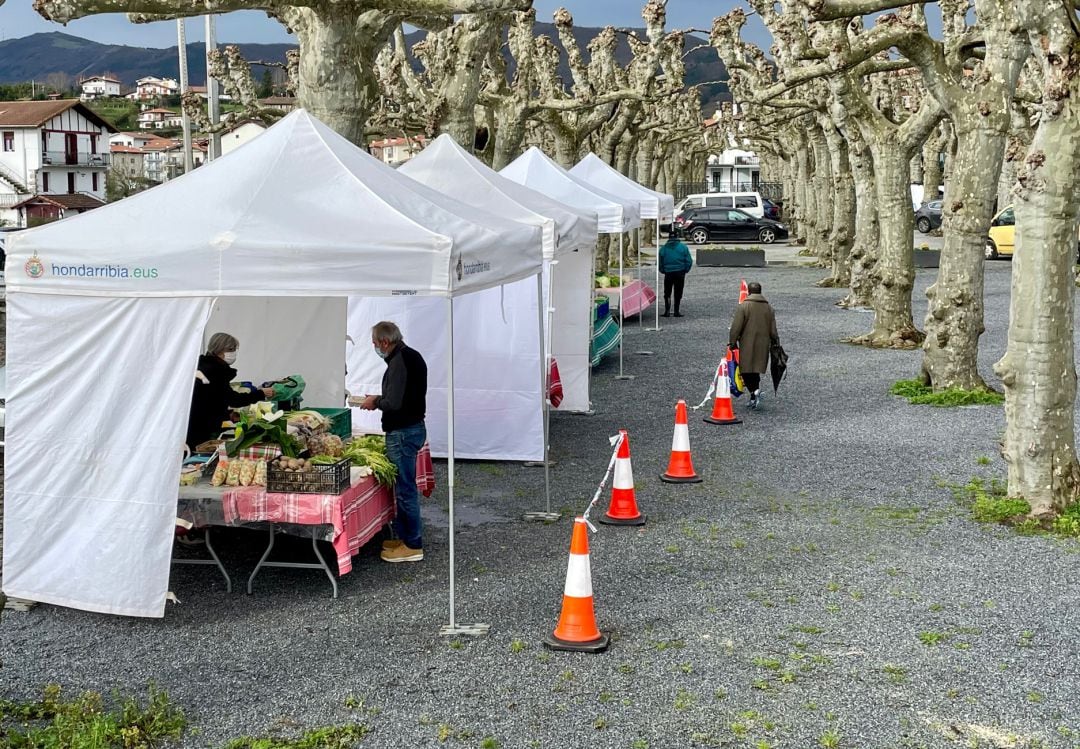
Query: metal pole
x=641, y=315
x=622, y=313
x=213, y=106
x=453, y=628
x=181, y=40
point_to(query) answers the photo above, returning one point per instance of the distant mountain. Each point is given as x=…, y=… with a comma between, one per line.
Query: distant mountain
x=38, y=56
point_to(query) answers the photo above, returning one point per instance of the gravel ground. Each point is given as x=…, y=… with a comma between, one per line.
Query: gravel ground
x=781, y=600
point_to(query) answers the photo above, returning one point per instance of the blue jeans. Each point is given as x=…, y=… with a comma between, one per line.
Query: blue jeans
x=402, y=445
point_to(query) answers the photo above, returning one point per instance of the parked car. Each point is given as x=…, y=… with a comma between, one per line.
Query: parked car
x=1002, y=239
x=771, y=209
x=702, y=225
x=928, y=217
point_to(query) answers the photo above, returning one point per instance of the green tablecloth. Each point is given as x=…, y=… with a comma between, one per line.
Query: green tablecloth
x=605, y=339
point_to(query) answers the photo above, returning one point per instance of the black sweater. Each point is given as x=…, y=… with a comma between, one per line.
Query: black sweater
x=404, y=389
x=210, y=403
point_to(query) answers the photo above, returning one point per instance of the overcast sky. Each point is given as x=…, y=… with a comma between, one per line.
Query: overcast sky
x=17, y=18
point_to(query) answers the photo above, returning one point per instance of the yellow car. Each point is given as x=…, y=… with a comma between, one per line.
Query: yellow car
x=1002, y=239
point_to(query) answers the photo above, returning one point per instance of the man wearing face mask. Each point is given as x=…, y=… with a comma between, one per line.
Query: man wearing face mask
x=213, y=398
x=403, y=404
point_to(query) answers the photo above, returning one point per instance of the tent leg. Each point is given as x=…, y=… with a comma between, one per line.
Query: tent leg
x=641, y=315
x=622, y=314
x=656, y=325
x=453, y=628
x=545, y=380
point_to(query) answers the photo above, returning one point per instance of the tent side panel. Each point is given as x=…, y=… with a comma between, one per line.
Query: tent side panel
x=98, y=397
x=282, y=336
x=497, y=366
x=571, y=328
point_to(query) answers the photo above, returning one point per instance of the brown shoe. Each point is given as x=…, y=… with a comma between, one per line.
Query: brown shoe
x=391, y=543
x=402, y=553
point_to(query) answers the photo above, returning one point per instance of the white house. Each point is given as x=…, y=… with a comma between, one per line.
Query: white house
x=133, y=139
x=395, y=151
x=159, y=119
x=734, y=170
x=239, y=134
x=99, y=86
x=152, y=87
x=52, y=149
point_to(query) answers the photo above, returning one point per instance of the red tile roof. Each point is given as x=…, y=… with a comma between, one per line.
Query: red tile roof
x=37, y=113
x=75, y=201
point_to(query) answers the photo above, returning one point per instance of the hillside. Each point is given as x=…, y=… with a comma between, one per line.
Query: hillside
x=38, y=56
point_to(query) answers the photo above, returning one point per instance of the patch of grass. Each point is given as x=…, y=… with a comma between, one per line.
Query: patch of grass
x=85, y=722
x=1068, y=522
x=897, y=674
x=334, y=737
x=830, y=739
x=684, y=699
x=982, y=460
x=771, y=664
x=989, y=503
x=932, y=638
x=600, y=723
x=1035, y=697
x=517, y=646
x=919, y=394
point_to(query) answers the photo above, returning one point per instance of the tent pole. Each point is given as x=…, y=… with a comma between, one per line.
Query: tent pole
x=641, y=315
x=453, y=628
x=544, y=320
x=622, y=313
x=656, y=326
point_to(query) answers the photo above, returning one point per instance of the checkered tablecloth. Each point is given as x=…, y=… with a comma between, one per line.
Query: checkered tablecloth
x=356, y=514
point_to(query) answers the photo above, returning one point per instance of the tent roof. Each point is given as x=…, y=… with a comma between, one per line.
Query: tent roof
x=447, y=167
x=298, y=211
x=534, y=169
x=653, y=204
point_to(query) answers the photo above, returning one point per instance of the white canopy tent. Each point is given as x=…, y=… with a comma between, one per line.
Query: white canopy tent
x=503, y=357
x=614, y=215
x=106, y=315
x=653, y=205
x=502, y=407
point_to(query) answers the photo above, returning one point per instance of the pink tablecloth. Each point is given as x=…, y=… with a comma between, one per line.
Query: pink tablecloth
x=636, y=297
x=356, y=514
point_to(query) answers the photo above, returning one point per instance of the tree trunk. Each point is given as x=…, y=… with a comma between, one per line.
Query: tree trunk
x=509, y=134
x=822, y=190
x=893, y=275
x=954, y=319
x=842, y=236
x=469, y=40
x=1038, y=368
x=867, y=230
x=931, y=157
x=337, y=78
x=802, y=181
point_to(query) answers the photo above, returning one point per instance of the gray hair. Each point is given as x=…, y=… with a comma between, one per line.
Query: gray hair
x=386, y=331
x=220, y=343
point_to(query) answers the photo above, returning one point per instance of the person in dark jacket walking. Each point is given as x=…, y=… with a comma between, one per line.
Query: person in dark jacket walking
x=753, y=331
x=675, y=263
x=403, y=404
x=213, y=396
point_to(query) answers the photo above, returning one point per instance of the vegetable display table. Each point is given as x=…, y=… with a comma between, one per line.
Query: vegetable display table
x=347, y=520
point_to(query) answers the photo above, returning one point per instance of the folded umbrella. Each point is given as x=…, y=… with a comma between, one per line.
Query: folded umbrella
x=777, y=364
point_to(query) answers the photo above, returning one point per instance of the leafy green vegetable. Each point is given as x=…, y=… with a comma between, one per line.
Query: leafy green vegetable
x=253, y=429
x=371, y=451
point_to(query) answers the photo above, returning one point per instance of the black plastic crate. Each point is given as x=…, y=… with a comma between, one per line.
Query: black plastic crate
x=328, y=479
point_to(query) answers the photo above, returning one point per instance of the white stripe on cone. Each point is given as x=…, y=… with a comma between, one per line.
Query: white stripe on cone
x=624, y=474
x=680, y=440
x=578, y=577
x=723, y=388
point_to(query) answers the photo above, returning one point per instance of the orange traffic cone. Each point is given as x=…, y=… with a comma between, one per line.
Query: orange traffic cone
x=680, y=469
x=623, y=509
x=743, y=292
x=577, y=630
x=722, y=412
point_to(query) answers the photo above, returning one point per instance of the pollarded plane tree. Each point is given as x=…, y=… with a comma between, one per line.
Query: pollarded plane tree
x=234, y=72
x=972, y=74
x=1038, y=368
x=339, y=40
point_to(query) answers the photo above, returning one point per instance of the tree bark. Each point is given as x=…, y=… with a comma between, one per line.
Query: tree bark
x=842, y=236
x=931, y=158
x=867, y=229
x=1038, y=369
x=821, y=190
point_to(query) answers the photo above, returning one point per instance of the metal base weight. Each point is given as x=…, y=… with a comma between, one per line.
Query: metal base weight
x=470, y=630
x=624, y=377
x=645, y=353
x=540, y=463
x=542, y=517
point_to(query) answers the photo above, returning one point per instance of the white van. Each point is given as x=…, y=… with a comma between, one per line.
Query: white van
x=747, y=202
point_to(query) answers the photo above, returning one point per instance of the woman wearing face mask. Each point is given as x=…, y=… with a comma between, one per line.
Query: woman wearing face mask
x=213, y=397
